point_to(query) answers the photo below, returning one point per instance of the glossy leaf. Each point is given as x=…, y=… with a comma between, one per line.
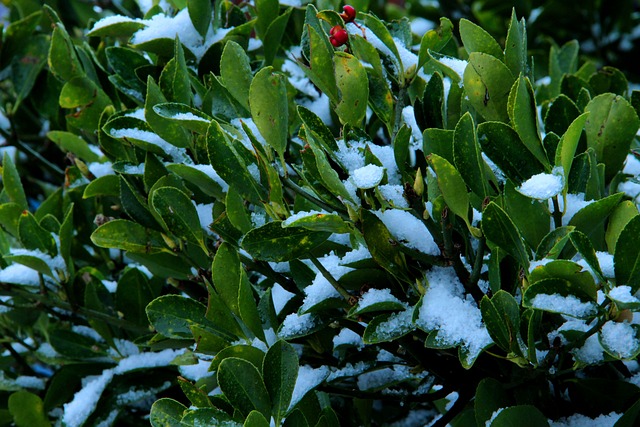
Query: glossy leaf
x=487, y=82
x=522, y=415
x=627, y=256
x=606, y=133
x=501, y=315
x=524, y=118
x=515, y=47
x=500, y=229
x=353, y=89
x=476, y=39
x=272, y=242
x=27, y=410
x=166, y=413
x=200, y=13
x=619, y=218
x=235, y=71
x=269, y=108
x=452, y=186
x=468, y=157
x=11, y=182
x=280, y=372
x=128, y=236
x=178, y=213
x=242, y=384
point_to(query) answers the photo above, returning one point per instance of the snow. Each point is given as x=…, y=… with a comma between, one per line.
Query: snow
x=591, y=352
x=493, y=417
x=454, y=315
x=112, y=20
x=620, y=338
x=575, y=202
x=375, y=296
x=397, y=324
x=308, y=379
x=394, y=194
x=84, y=402
x=569, y=305
x=348, y=337
x=380, y=377
x=197, y=371
x=248, y=122
x=320, y=106
x=297, y=76
x=350, y=155
x=632, y=165
x=409, y=230
x=579, y=420
x=321, y=289
x=295, y=324
x=349, y=370
x=211, y=173
x=375, y=42
x=457, y=65
x=623, y=294
x=189, y=116
x=111, y=285
x=419, y=26
x=19, y=274
x=30, y=382
x=409, y=118
x=100, y=169
x=205, y=214
x=161, y=26
x=368, y=176
x=302, y=214
x=280, y=297
x=542, y=186
x=605, y=260
x=178, y=155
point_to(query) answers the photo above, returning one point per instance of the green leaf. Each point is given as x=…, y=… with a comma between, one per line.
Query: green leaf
x=490, y=396
x=197, y=396
x=467, y=156
x=34, y=262
x=242, y=384
x=515, y=47
x=503, y=146
x=435, y=40
x=568, y=144
x=452, y=186
x=166, y=413
x=524, y=118
x=68, y=141
x=578, y=277
x=235, y=71
x=273, y=37
x=353, y=89
x=63, y=60
x=553, y=243
x=626, y=260
x=269, y=108
x=476, y=39
x=231, y=166
x=487, y=82
x=191, y=118
x=591, y=219
x=199, y=176
x=247, y=307
x=133, y=294
x=558, y=295
x=380, y=242
x=610, y=129
x=500, y=229
x=272, y=242
x=320, y=222
x=128, y=236
x=388, y=327
x=178, y=213
x=563, y=60
x=11, y=182
x=166, y=129
x=201, y=15
x=320, y=70
x=10, y=214
x=34, y=237
x=267, y=13
x=87, y=102
x=174, y=80
x=501, y=315
x=377, y=27
x=27, y=410
x=25, y=70
x=256, y=419
x=583, y=245
x=280, y=372
x=245, y=352
x=226, y=275
x=530, y=216
x=176, y=316
x=561, y=113
x=618, y=219
x=520, y=416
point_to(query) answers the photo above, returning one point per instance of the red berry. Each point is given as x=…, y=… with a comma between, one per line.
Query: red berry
x=349, y=14
x=339, y=36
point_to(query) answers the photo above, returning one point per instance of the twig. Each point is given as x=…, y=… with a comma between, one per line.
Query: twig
x=301, y=191
x=337, y=286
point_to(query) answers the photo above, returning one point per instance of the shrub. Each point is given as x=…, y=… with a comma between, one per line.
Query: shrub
x=274, y=215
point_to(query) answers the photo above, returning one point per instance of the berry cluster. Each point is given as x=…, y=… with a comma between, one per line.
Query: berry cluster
x=338, y=35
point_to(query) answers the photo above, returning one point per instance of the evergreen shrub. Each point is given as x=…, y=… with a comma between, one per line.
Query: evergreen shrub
x=269, y=214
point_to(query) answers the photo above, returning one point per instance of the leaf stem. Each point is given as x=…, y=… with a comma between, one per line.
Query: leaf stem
x=327, y=275
x=400, y=104
x=267, y=271
x=557, y=213
x=313, y=199
x=477, y=264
